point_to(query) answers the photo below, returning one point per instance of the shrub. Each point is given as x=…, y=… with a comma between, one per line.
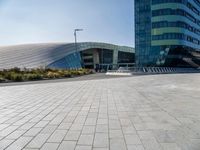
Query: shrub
x=67, y=73
x=1, y=78
x=16, y=77
x=15, y=74
x=7, y=75
x=75, y=72
x=32, y=77
x=16, y=70
x=37, y=71
x=52, y=75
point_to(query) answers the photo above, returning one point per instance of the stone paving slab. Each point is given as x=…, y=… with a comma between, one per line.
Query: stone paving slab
x=160, y=112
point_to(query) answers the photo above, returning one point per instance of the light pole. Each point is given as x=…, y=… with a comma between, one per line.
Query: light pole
x=75, y=36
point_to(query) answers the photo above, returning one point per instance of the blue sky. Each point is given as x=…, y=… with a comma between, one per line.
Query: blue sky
x=42, y=21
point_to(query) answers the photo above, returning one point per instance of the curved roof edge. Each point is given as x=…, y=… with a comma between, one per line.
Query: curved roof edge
x=35, y=55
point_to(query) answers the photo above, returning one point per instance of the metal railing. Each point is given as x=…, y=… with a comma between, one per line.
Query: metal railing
x=154, y=70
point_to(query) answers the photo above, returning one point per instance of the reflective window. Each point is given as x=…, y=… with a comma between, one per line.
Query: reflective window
x=180, y=12
x=178, y=36
x=179, y=24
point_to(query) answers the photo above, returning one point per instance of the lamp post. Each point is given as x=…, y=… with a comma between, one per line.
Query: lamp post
x=75, y=36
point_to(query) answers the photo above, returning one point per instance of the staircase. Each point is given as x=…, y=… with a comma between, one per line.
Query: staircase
x=192, y=63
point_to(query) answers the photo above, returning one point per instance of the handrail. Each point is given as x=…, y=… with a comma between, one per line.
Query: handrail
x=154, y=70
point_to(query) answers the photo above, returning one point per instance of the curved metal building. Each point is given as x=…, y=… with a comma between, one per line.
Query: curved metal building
x=65, y=56
x=167, y=32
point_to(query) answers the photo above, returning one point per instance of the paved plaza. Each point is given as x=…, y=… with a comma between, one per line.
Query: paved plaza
x=160, y=112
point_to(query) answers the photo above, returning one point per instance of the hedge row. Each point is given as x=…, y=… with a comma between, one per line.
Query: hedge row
x=18, y=75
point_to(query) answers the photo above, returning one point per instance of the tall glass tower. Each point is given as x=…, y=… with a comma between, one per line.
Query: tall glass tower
x=167, y=33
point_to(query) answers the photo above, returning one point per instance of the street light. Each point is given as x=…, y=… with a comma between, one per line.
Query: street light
x=76, y=30
x=75, y=36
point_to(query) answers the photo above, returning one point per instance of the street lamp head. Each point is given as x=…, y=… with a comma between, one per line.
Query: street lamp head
x=78, y=30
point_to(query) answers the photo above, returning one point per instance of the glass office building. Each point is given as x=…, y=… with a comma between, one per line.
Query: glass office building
x=167, y=33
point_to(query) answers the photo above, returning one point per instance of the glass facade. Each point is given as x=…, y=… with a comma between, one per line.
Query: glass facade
x=165, y=26
x=71, y=61
x=94, y=55
x=142, y=31
x=106, y=56
x=124, y=57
